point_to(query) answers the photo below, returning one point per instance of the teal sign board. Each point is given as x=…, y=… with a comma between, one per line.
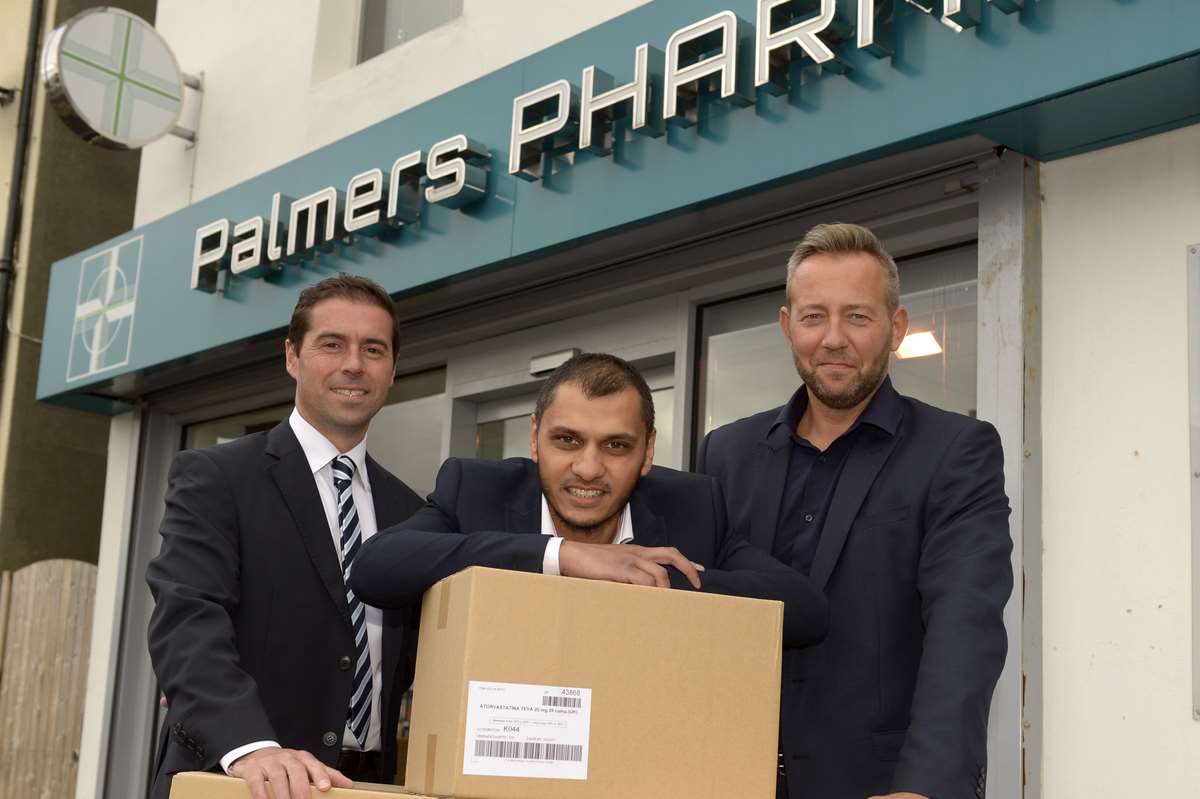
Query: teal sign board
x=439, y=191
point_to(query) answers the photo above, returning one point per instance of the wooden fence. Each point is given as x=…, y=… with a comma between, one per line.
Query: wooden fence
x=45, y=632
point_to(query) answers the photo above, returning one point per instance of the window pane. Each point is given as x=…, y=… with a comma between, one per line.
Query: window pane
x=945, y=379
x=406, y=434
x=503, y=438
x=746, y=367
x=664, y=422
x=389, y=23
x=940, y=294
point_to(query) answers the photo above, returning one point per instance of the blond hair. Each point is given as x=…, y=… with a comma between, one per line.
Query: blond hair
x=842, y=238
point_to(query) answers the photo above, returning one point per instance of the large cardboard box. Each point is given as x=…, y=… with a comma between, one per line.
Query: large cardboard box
x=203, y=785
x=536, y=687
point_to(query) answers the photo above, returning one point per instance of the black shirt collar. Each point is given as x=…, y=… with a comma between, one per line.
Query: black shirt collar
x=883, y=412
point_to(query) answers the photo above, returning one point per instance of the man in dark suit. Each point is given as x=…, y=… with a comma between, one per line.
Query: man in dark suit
x=272, y=670
x=897, y=510
x=589, y=504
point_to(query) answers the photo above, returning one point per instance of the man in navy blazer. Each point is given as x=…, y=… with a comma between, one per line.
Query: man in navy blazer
x=589, y=504
x=255, y=640
x=897, y=511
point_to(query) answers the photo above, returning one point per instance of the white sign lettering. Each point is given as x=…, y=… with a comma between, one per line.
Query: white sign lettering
x=455, y=176
x=709, y=57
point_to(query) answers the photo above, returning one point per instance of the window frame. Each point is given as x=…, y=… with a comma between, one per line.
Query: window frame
x=363, y=16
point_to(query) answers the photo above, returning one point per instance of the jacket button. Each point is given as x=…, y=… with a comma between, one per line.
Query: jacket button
x=329, y=739
x=344, y=663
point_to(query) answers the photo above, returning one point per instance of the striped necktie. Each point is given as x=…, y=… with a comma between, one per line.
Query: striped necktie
x=358, y=717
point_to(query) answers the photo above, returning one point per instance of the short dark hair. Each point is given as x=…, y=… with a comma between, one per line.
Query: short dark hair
x=347, y=287
x=598, y=374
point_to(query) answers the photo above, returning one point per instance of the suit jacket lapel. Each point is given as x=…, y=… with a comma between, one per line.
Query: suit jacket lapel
x=770, y=475
x=649, y=529
x=523, y=513
x=295, y=482
x=387, y=506
x=387, y=513
x=863, y=463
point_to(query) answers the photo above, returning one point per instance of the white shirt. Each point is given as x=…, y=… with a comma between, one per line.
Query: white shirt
x=550, y=558
x=320, y=454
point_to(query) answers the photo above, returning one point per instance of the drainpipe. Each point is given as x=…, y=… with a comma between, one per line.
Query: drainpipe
x=8, y=249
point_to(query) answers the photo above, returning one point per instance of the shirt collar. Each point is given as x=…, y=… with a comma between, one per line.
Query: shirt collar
x=320, y=451
x=882, y=412
x=624, y=531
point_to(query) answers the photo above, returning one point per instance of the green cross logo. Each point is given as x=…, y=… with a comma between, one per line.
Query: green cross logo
x=102, y=333
x=120, y=77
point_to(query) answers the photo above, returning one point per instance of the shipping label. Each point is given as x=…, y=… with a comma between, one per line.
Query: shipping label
x=519, y=730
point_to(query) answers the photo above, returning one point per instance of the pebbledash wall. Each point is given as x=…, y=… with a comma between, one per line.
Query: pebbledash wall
x=1101, y=98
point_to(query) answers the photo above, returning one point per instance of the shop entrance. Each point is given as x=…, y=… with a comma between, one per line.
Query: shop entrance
x=692, y=302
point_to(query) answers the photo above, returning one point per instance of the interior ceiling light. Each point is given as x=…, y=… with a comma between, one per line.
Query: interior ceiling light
x=918, y=345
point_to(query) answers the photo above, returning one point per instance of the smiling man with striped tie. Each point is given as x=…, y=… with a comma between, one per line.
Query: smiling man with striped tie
x=273, y=669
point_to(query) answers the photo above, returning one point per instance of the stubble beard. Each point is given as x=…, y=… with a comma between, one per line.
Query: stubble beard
x=870, y=377
x=580, y=529
x=583, y=530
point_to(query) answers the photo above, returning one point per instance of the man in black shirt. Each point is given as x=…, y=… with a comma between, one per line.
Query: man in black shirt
x=897, y=510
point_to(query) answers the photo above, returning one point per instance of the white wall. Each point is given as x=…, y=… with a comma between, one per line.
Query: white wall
x=279, y=80
x=1117, y=643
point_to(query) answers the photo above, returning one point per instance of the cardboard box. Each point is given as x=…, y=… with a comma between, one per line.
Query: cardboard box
x=203, y=785
x=536, y=687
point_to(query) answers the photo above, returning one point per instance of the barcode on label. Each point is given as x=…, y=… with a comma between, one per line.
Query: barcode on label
x=561, y=701
x=572, y=753
x=510, y=749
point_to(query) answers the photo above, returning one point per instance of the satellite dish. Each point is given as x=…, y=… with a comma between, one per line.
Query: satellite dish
x=113, y=79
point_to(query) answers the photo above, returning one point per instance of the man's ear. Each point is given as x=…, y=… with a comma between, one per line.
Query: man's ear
x=899, y=327
x=291, y=358
x=533, y=431
x=649, y=459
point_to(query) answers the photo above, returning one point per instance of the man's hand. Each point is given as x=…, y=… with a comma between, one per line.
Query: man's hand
x=625, y=563
x=901, y=795
x=290, y=772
